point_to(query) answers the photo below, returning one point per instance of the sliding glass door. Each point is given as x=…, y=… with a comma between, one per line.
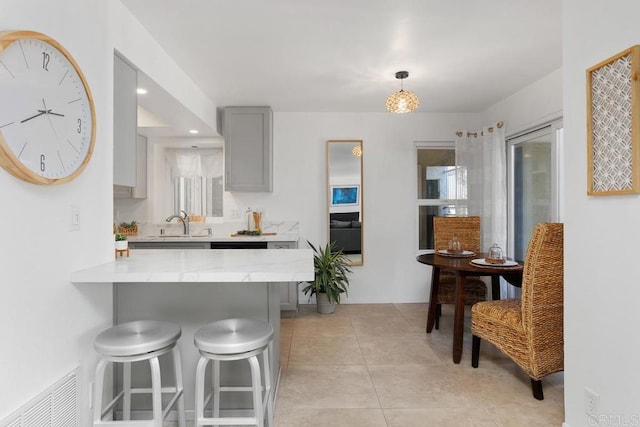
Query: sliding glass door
x=534, y=184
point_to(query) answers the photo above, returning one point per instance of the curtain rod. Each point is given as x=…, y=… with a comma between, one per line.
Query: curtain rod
x=475, y=134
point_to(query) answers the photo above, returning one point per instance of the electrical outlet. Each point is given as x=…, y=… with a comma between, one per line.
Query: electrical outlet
x=591, y=402
x=235, y=213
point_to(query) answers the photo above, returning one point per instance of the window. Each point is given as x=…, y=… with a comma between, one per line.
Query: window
x=437, y=187
x=534, y=184
x=198, y=195
x=196, y=175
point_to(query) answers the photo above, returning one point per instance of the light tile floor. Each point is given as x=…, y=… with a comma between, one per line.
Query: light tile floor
x=373, y=365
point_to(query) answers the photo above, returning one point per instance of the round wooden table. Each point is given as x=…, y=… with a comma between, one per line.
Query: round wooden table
x=462, y=268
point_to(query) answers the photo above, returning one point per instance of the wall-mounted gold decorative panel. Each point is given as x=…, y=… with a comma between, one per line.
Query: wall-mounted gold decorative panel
x=613, y=125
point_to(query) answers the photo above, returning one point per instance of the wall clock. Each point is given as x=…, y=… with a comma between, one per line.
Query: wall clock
x=47, y=116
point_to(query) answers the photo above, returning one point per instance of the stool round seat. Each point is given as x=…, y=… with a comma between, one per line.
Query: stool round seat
x=137, y=341
x=233, y=336
x=233, y=340
x=137, y=338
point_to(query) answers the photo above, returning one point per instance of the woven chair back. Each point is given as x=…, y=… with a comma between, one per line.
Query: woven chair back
x=542, y=296
x=466, y=229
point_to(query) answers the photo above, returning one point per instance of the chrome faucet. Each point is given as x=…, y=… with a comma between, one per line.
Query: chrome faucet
x=183, y=219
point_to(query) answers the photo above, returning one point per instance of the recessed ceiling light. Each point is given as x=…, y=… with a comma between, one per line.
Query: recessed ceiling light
x=193, y=131
x=141, y=91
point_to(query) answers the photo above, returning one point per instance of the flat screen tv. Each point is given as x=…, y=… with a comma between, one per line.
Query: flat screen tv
x=344, y=195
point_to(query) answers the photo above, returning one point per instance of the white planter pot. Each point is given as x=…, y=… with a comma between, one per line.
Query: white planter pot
x=324, y=306
x=122, y=245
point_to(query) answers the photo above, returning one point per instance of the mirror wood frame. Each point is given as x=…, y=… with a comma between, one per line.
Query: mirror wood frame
x=345, y=186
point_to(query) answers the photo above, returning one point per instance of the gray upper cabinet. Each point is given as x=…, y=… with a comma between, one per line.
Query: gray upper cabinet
x=125, y=123
x=140, y=189
x=248, y=148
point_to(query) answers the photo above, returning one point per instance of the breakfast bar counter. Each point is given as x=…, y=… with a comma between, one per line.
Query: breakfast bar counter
x=194, y=288
x=211, y=266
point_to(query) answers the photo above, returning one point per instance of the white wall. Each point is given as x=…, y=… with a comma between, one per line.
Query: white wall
x=48, y=324
x=390, y=272
x=601, y=233
x=537, y=103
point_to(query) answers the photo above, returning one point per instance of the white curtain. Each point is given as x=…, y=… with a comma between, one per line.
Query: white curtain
x=196, y=177
x=481, y=164
x=211, y=161
x=191, y=163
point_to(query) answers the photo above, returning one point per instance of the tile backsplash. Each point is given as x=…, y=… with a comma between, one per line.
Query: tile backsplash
x=175, y=228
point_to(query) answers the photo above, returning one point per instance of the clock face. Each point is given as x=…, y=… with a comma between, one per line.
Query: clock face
x=46, y=110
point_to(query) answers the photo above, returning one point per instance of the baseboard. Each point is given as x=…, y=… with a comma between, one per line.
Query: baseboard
x=285, y=314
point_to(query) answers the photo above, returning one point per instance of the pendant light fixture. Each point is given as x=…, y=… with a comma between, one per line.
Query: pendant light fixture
x=402, y=101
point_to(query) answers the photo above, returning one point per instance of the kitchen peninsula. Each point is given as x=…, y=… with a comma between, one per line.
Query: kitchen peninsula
x=284, y=235
x=194, y=287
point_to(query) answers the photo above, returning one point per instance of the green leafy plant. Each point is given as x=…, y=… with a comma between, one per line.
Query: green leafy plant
x=249, y=232
x=331, y=268
x=119, y=237
x=129, y=225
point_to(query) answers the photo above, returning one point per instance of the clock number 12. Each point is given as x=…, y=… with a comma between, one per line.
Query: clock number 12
x=45, y=61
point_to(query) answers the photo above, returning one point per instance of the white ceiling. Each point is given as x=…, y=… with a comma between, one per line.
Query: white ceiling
x=161, y=115
x=342, y=55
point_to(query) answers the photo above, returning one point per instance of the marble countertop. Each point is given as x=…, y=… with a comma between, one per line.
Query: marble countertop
x=201, y=266
x=282, y=237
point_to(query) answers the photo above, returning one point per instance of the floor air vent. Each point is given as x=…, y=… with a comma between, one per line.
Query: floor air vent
x=55, y=407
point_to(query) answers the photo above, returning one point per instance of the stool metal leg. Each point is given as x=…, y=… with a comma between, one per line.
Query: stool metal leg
x=200, y=372
x=215, y=376
x=97, y=393
x=268, y=401
x=126, y=389
x=156, y=392
x=257, y=390
x=177, y=364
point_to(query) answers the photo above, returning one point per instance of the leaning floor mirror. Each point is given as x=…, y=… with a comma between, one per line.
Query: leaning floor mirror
x=345, y=196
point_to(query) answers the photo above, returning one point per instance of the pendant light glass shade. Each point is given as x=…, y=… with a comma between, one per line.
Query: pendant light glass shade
x=402, y=101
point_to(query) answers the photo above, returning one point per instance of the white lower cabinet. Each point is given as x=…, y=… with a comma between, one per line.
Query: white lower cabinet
x=288, y=291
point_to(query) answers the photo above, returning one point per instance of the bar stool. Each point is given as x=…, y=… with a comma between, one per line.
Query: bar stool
x=133, y=342
x=234, y=339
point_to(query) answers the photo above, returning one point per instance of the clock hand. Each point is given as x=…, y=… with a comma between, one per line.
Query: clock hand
x=49, y=112
x=33, y=117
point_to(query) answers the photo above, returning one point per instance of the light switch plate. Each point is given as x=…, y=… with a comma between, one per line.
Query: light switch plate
x=74, y=212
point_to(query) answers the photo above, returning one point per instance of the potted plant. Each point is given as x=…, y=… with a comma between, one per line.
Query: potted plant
x=331, y=268
x=121, y=241
x=128, y=228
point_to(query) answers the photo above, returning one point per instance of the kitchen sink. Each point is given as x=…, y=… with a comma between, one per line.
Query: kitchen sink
x=171, y=236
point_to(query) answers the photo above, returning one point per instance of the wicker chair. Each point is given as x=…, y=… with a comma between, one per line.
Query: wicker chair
x=467, y=230
x=529, y=330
